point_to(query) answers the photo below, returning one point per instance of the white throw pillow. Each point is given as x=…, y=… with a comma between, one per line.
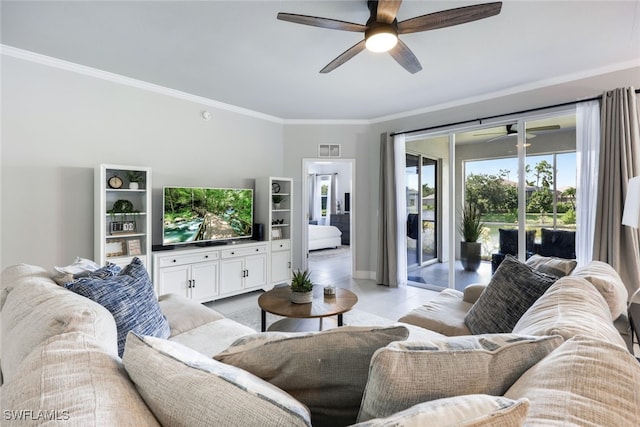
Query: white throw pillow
x=472, y=410
x=185, y=388
x=404, y=374
x=79, y=268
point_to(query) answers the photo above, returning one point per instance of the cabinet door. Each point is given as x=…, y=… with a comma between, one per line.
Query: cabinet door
x=256, y=267
x=174, y=280
x=231, y=275
x=280, y=266
x=205, y=281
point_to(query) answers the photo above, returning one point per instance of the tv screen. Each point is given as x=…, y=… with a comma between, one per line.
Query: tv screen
x=198, y=215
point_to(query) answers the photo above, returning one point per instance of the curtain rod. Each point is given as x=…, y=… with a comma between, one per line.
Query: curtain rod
x=480, y=120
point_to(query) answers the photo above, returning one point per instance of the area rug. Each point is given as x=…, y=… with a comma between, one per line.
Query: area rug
x=251, y=317
x=329, y=253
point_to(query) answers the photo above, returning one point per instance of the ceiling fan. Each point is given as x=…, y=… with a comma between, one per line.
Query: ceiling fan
x=510, y=130
x=382, y=29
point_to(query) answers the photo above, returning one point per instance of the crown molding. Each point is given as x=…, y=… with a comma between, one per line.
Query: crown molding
x=128, y=81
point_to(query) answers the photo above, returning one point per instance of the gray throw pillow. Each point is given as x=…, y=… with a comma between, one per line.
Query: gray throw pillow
x=512, y=290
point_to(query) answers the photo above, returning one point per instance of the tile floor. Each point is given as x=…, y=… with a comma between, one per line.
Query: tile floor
x=390, y=303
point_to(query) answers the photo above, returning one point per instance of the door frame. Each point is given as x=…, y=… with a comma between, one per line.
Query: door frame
x=306, y=162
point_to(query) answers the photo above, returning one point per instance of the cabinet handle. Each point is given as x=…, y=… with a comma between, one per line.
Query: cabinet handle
x=246, y=273
x=257, y=250
x=206, y=256
x=189, y=284
x=289, y=264
x=174, y=260
x=233, y=253
x=193, y=283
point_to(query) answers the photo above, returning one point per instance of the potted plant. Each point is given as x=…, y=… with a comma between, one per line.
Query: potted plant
x=301, y=287
x=470, y=228
x=276, y=198
x=135, y=179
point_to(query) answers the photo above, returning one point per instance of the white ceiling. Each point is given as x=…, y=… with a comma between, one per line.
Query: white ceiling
x=236, y=52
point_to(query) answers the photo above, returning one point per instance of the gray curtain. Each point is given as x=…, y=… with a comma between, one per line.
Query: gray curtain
x=614, y=243
x=391, y=268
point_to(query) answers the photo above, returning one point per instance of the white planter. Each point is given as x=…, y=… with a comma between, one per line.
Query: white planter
x=301, y=297
x=133, y=185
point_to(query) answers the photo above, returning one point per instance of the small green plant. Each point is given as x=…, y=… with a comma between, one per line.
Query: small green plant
x=135, y=176
x=470, y=226
x=301, y=281
x=277, y=198
x=122, y=207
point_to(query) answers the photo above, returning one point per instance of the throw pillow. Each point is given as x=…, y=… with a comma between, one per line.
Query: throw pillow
x=327, y=371
x=512, y=290
x=185, y=388
x=559, y=243
x=404, y=374
x=71, y=378
x=553, y=266
x=79, y=268
x=129, y=297
x=607, y=281
x=583, y=382
x=460, y=411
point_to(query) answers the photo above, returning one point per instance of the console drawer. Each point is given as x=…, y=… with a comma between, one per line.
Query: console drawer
x=167, y=261
x=281, y=245
x=235, y=252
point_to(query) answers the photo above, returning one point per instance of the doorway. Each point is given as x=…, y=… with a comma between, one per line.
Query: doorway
x=329, y=201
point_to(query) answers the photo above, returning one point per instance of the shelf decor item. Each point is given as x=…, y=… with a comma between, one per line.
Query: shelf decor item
x=277, y=199
x=115, y=182
x=136, y=179
x=301, y=287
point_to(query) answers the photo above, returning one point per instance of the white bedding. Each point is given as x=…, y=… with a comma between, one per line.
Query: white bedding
x=324, y=236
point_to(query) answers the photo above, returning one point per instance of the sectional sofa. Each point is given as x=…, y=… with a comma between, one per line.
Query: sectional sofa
x=65, y=361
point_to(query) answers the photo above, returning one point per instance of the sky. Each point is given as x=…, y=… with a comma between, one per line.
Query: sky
x=566, y=167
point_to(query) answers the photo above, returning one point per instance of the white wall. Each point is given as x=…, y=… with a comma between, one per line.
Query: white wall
x=57, y=126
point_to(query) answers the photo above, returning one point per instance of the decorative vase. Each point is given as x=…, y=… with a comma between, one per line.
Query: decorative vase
x=301, y=297
x=276, y=206
x=133, y=185
x=470, y=255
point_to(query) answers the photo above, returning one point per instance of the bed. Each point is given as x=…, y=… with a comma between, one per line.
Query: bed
x=324, y=236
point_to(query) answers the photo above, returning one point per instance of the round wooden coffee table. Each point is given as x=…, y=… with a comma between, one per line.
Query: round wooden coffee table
x=277, y=301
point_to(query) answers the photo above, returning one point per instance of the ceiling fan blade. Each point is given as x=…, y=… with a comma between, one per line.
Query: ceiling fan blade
x=539, y=128
x=403, y=55
x=387, y=10
x=314, y=21
x=448, y=18
x=344, y=57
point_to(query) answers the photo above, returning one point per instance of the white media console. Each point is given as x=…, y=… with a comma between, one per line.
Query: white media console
x=212, y=272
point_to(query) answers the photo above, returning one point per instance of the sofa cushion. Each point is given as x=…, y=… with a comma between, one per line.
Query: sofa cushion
x=69, y=377
x=571, y=306
x=213, y=337
x=129, y=297
x=327, y=371
x=443, y=314
x=406, y=373
x=608, y=283
x=461, y=411
x=184, y=314
x=39, y=309
x=185, y=388
x=583, y=382
x=553, y=266
x=511, y=291
x=79, y=268
x=18, y=274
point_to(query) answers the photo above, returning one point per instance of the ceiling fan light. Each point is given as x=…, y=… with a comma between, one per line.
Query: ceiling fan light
x=381, y=38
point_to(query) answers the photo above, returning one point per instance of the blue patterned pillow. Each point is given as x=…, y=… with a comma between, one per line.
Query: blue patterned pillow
x=130, y=299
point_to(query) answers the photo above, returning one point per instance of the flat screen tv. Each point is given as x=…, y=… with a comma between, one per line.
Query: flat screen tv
x=206, y=215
